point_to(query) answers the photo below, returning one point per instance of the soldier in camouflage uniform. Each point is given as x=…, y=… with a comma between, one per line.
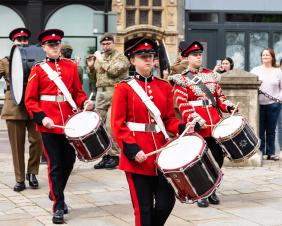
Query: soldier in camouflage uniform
x=108, y=68
x=18, y=122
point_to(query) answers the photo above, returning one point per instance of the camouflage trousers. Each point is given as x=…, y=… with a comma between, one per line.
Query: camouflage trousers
x=103, y=107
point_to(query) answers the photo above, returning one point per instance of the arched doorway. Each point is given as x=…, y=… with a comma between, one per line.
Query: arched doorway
x=77, y=22
x=12, y=21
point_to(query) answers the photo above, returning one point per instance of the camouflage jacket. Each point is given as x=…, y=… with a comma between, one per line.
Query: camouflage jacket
x=112, y=69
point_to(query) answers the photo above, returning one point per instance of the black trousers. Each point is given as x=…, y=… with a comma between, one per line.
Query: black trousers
x=60, y=156
x=216, y=150
x=152, y=198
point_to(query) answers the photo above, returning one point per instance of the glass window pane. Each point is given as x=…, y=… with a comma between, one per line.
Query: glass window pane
x=130, y=17
x=157, y=18
x=130, y=2
x=144, y=2
x=258, y=41
x=235, y=48
x=143, y=17
x=258, y=18
x=200, y=17
x=277, y=45
x=157, y=3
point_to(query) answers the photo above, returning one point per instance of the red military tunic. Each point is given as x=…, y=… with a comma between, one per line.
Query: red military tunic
x=128, y=107
x=186, y=90
x=39, y=84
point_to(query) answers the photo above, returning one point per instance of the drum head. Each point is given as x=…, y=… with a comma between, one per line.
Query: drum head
x=17, y=75
x=82, y=124
x=22, y=58
x=180, y=153
x=227, y=126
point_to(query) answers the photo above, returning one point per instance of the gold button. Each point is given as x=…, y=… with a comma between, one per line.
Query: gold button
x=150, y=91
x=151, y=97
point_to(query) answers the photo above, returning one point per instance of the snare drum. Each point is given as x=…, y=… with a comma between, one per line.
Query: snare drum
x=236, y=138
x=190, y=168
x=86, y=133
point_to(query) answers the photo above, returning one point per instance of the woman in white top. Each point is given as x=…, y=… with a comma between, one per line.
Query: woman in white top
x=269, y=98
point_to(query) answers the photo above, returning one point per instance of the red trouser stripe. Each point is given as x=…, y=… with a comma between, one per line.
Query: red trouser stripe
x=134, y=199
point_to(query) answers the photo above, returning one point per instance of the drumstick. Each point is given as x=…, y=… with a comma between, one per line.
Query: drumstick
x=176, y=143
x=91, y=94
x=62, y=127
x=236, y=107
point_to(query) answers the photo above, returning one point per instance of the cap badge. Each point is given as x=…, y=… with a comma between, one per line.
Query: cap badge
x=21, y=31
x=53, y=35
x=196, y=45
x=145, y=43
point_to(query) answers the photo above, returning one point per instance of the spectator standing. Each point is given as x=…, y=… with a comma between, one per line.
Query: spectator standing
x=270, y=95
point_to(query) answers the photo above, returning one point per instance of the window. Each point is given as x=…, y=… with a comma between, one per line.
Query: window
x=143, y=2
x=235, y=48
x=258, y=41
x=130, y=2
x=157, y=3
x=157, y=18
x=130, y=17
x=258, y=18
x=277, y=45
x=143, y=17
x=203, y=17
x=144, y=12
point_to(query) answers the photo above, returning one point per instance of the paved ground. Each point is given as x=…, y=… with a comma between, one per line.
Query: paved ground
x=249, y=197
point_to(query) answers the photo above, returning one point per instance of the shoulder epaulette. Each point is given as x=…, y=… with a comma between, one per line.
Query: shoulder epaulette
x=177, y=79
x=71, y=60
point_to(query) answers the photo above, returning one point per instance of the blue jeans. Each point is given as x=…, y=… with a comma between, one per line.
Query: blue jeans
x=268, y=120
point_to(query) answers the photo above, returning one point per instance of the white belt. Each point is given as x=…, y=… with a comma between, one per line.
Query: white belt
x=142, y=127
x=198, y=103
x=53, y=98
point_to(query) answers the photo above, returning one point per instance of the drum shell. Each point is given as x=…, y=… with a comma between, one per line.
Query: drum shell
x=92, y=145
x=241, y=144
x=197, y=179
x=30, y=55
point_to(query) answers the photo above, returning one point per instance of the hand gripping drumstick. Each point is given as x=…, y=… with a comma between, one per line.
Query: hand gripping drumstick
x=236, y=107
x=91, y=94
x=176, y=143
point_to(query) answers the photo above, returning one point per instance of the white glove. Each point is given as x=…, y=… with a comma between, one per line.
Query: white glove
x=140, y=157
x=48, y=123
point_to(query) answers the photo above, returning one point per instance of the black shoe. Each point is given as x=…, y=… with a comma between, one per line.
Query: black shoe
x=20, y=186
x=58, y=217
x=101, y=164
x=203, y=202
x=33, y=182
x=112, y=162
x=43, y=159
x=66, y=209
x=213, y=199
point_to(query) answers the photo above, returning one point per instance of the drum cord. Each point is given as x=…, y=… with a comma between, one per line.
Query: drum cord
x=58, y=93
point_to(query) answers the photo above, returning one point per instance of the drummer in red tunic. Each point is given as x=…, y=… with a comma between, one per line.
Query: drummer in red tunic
x=195, y=105
x=48, y=106
x=137, y=133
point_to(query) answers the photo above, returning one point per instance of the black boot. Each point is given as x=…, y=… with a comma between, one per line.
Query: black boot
x=203, y=202
x=33, y=182
x=213, y=199
x=112, y=162
x=66, y=209
x=101, y=164
x=20, y=186
x=58, y=217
